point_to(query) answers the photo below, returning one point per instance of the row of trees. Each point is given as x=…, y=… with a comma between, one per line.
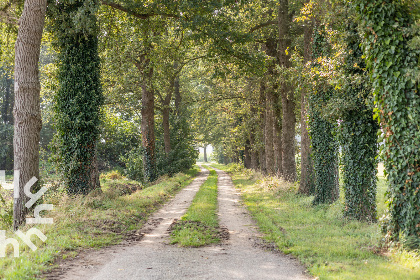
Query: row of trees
x=241, y=75
x=340, y=79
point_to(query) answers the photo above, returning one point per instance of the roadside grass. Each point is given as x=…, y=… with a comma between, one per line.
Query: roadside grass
x=331, y=246
x=199, y=226
x=92, y=221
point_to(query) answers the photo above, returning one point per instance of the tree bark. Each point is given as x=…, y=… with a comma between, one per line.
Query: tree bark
x=8, y=100
x=278, y=152
x=6, y=163
x=269, y=148
x=262, y=124
x=148, y=132
x=247, y=154
x=306, y=185
x=287, y=97
x=27, y=101
x=165, y=119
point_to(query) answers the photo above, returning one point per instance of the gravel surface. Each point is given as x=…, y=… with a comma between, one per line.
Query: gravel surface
x=239, y=257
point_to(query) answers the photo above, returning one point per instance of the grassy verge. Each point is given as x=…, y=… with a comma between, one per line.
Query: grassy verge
x=91, y=221
x=329, y=245
x=199, y=226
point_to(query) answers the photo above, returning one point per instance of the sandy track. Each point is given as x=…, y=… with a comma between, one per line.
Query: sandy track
x=89, y=262
x=237, y=258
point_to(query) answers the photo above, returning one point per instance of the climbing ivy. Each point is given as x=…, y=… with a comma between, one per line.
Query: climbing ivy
x=321, y=131
x=358, y=135
x=386, y=26
x=79, y=96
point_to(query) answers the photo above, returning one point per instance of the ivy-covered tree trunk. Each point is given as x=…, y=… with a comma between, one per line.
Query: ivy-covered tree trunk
x=287, y=96
x=324, y=144
x=390, y=62
x=359, y=132
x=26, y=108
x=324, y=148
x=358, y=140
x=306, y=184
x=79, y=96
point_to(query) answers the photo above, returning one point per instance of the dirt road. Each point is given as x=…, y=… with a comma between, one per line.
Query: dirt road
x=152, y=258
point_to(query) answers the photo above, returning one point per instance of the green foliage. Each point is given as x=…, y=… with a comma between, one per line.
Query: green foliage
x=358, y=135
x=79, y=97
x=386, y=25
x=6, y=212
x=322, y=132
x=118, y=137
x=183, y=153
x=133, y=161
x=6, y=147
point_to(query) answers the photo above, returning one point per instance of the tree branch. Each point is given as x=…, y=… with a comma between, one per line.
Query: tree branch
x=270, y=22
x=219, y=98
x=135, y=14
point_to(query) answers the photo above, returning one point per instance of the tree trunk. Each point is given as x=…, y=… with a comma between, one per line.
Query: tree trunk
x=269, y=148
x=253, y=152
x=94, y=174
x=27, y=95
x=205, y=153
x=166, y=128
x=262, y=124
x=247, y=154
x=6, y=162
x=277, y=119
x=148, y=131
x=8, y=101
x=178, y=97
x=288, y=137
x=306, y=185
x=287, y=97
x=278, y=152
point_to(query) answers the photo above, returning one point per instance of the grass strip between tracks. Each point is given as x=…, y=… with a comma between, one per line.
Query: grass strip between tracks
x=199, y=226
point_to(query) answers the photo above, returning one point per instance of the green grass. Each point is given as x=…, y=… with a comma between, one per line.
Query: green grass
x=199, y=226
x=91, y=221
x=329, y=245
